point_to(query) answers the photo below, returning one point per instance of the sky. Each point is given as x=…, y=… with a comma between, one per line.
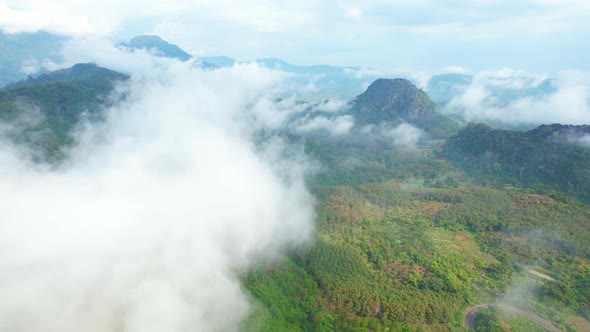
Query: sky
x=533, y=35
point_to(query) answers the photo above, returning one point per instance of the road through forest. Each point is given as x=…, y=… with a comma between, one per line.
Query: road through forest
x=471, y=313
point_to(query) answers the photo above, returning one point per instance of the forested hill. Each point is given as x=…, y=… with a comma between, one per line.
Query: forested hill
x=406, y=241
x=48, y=107
x=397, y=101
x=548, y=157
x=86, y=74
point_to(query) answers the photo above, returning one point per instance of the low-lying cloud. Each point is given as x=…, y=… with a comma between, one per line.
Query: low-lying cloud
x=515, y=98
x=581, y=140
x=404, y=135
x=151, y=220
x=339, y=125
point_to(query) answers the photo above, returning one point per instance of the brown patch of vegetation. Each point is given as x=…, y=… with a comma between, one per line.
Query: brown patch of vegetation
x=582, y=324
x=431, y=208
x=526, y=201
x=400, y=270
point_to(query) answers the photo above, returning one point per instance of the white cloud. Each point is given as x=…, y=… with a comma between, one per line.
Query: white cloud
x=331, y=105
x=363, y=72
x=454, y=70
x=485, y=99
x=148, y=225
x=339, y=125
x=354, y=13
x=30, y=66
x=509, y=79
x=581, y=140
x=404, y=135
x=419, y=77
x=90, y=17
x=300, y=29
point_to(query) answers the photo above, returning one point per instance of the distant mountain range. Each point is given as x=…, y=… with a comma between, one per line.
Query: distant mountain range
x=25, y=54
x=317, y=81
x=392, y=100
x=553, y=156
x=64, y=96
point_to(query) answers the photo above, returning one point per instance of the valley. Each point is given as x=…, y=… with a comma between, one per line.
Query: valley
x=420, y=216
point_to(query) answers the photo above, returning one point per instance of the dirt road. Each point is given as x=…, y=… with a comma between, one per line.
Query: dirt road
x=471, y=313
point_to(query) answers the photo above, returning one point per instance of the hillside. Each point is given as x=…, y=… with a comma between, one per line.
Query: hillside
x=406, y=239
x=87, y=74
x=398, y=101
x=47, y=108
x=547, y=157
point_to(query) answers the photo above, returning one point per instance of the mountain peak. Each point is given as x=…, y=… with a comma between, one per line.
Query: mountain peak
x=159, y=45
x=398, y=101
x=142, y=39
x=391, y=100
x=391, y=83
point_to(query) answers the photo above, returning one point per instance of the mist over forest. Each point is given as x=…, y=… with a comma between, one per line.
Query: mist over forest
x=157, y=179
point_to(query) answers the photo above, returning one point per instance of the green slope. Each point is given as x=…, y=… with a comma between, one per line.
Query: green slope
x=406, y=240
x=544, y=158
x=42, y=112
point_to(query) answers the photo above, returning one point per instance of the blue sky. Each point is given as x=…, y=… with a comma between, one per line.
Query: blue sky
x=533, y=35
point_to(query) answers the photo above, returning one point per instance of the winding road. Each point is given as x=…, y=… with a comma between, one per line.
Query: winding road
x=471, y=313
